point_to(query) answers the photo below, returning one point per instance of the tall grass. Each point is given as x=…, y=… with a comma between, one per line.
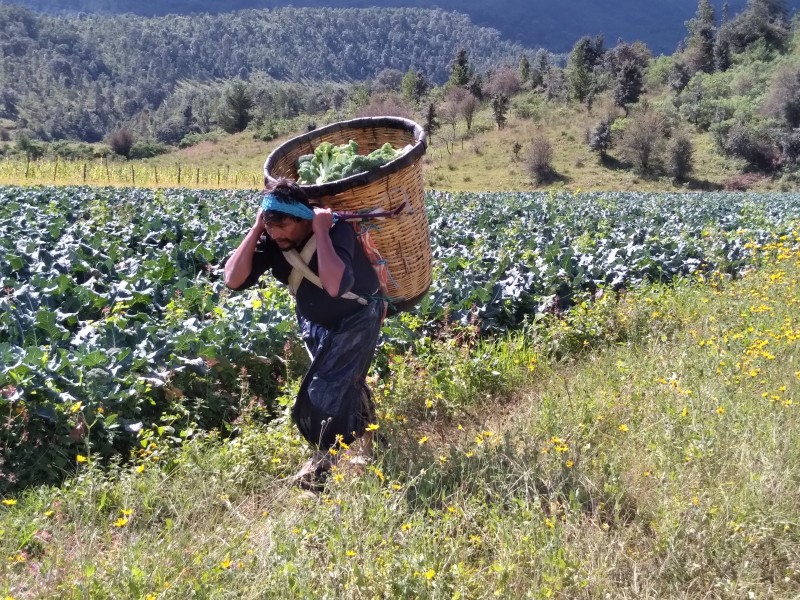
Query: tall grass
x=646, y=447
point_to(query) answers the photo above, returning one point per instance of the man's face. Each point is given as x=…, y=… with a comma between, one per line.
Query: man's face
x=288, y=233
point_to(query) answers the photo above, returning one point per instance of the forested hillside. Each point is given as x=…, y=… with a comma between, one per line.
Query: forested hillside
x=534, y=23
x=145, y=86
x=80, y=77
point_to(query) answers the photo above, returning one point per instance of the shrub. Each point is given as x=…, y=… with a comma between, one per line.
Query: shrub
x=789, y=144
x=600, y=138
x=29, y=147
x=540, y=159
x=148, y=149
x=71, y=151
x=5, y=135
x=121, y=141
x=752, y=145
x=742, y=182
x=642, y=140
x=193, y=139
x=266, y=133
x=680, y=158
x=385, y=104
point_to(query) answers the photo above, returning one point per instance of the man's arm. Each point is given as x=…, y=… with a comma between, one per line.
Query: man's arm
x=330, y=266
x=240, y=264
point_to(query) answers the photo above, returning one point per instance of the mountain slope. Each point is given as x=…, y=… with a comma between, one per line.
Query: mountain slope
x=533, y=23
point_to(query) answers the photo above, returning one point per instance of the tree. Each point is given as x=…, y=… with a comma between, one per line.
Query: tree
x=680, y=158
x=539, y=159
x=389, y=80
x=586, y=53
x=414, y=86
x=783, y=96
x=628, y=86
x=504, y=80
x=431, y=122
x=234, y=116
x=460, y=72
x=500, y=110
x=121, y=141
x=722, y=51
x=700, y=44
x=642, y=140
x=449, y=114
x=468, y=106
x=524, y=69
x=600, y=139
x=383, y=105
x=765, y=20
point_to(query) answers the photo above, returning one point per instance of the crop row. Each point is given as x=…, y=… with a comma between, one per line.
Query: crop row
x=104, y=172
x=114, y=318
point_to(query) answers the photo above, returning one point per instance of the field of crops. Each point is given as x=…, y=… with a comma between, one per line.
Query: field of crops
x=58, y=171
x=114, y=320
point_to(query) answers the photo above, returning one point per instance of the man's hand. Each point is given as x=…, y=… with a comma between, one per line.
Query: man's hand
x=259, y=224
x=322, y=222
x=330, y=266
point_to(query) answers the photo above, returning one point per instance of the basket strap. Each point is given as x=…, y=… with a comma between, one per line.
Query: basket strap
x=376, y=213
x=301, y=270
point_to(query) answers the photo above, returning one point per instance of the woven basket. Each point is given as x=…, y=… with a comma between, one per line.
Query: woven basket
x=403, y=241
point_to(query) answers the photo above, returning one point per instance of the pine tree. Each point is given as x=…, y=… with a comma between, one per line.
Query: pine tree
x=460, y=71
x=702, y=34
x=600, y=139
x=524, y=69
x=234, y=116
x=628, y=87
x=431, y=122
x=500, y=110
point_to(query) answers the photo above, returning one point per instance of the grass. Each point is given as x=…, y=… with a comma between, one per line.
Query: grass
x=645, y=446
x=480, y=160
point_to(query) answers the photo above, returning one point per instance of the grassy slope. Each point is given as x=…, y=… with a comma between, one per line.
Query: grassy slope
x=646, y=447
x=479, y=162
x=485, y=161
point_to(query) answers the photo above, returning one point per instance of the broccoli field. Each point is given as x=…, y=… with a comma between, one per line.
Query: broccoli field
x=114, y=319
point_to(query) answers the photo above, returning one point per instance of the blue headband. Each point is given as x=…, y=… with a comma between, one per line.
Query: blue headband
x=272, y=203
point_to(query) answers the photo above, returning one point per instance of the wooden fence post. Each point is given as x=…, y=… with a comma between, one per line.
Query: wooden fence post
x=155, y=173
x=84, y=172
x=27, y=164
x=197, y=178
x=108, y=174
x=133, y=176
x=179, y=173
x=55, y=169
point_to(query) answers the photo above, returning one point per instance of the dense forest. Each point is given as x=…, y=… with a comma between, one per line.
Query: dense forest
x=533, y=23
x=81, y=77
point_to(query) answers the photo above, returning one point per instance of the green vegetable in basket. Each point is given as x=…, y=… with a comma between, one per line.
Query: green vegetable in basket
x=329, y=162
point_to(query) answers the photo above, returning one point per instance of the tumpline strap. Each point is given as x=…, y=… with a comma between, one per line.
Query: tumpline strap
x=299, y=260
x=301, y=270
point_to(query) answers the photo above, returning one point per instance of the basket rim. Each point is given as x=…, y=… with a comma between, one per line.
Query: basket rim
x=333, y=188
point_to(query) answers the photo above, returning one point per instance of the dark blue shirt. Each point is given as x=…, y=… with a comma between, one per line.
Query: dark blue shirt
x=313, y=302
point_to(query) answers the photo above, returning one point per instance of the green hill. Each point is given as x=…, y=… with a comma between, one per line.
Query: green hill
x=533, y=23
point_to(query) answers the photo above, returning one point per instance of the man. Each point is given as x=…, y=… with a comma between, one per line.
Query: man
x=339, y=315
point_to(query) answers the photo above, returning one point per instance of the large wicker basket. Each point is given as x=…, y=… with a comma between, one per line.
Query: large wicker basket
x=404, y=240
